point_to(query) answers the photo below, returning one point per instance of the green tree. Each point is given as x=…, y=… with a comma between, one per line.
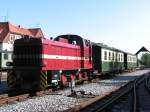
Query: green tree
x=145, y=60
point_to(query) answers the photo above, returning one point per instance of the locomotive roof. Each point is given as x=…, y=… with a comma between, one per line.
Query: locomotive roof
x=58, y=43
x=68, y=35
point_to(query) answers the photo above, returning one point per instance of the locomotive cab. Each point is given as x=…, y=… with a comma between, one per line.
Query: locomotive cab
x=85, y=49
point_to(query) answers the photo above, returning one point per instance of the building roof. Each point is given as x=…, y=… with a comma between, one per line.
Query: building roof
x=6, y=27
x=143, y=49
x=37, y=32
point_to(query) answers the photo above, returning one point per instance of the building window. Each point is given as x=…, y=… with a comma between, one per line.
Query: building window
x=11, y=57
x=5, y=56
x=11, y=38
x=105, y=55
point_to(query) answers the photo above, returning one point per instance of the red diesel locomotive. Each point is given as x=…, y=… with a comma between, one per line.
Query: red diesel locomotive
x=40, y=63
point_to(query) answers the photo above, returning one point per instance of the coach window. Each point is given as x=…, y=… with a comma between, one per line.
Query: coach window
x=5, y=56
x=112, y=56
x=116, y=58
x=130, y=58
x=109, y=56
x=121, y=59
x=105, y=55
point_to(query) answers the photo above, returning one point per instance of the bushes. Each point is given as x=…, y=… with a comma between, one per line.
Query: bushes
x=145, y=60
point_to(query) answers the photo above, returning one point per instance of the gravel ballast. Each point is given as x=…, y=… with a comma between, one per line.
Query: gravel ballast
x=48, y=103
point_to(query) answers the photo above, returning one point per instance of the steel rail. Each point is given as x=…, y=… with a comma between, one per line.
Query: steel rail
x=147, y=82
x=135, y=97
x=135, y=103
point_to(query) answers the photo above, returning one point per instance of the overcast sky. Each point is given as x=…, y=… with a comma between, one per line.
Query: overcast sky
x=124, y=24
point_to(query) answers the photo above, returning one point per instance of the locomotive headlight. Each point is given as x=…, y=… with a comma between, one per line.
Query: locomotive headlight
x=55, y=75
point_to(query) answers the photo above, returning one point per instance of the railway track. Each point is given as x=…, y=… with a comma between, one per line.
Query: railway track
x=12, y=96
x=6, y=99
x=133, y=97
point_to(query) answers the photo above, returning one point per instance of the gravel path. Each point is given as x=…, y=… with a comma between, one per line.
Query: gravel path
x=57, y=103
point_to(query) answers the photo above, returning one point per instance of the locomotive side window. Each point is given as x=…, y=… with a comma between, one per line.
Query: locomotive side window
x=86, y=43
x=74, y=42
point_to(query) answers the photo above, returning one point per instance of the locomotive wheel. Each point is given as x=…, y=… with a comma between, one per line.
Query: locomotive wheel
x=84, y=75
x=79, y=78
x=12, y=81
x=63, y=82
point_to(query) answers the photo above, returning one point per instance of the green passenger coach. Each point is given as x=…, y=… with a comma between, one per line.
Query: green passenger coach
x=107, y=59
x=130, y=61
x=112, y=60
